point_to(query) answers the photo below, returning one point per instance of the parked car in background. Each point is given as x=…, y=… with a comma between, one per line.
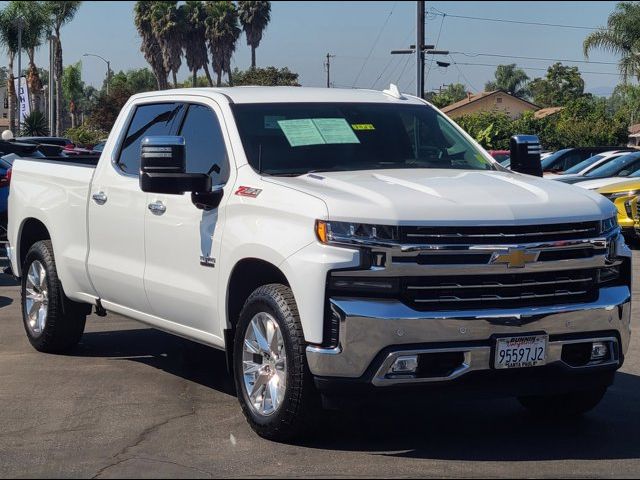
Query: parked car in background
x=60, y=141
x=99, y=147
x=500, y=155
x=566, y=158
x=588, y=165
x=624, y=196
x=609, y=173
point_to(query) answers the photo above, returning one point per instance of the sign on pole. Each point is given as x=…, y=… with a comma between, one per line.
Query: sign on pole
x=23, y=96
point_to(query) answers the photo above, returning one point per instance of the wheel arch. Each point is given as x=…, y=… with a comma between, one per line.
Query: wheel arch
x=32, y=230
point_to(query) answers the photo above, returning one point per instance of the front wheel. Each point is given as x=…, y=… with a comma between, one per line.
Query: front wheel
x=573, y=404
x=273, y=381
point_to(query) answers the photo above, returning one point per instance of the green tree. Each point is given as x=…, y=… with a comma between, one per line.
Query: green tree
x=150, y=46
x=107, y=107
x=254, y=18
x=168, y=27
x=621, y=37
x=60, y=13
x=35, y=125
x=9, y=40
x=195, y=39
x=73, y=89
x=561, y=85
x=452, y=94
x=625, y=102
x=135, y=80
x=270, y=76
x=223, y=32
x=511, y=79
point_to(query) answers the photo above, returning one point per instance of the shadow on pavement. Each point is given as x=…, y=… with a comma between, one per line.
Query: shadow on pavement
x=6, y=280
x=174, y=355
x=481, y=430
x=4, y=301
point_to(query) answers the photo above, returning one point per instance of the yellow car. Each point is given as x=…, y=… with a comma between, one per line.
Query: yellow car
x=625, y=197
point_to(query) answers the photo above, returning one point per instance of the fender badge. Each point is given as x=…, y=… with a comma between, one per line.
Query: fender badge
x=248, y=192
x=207, y=261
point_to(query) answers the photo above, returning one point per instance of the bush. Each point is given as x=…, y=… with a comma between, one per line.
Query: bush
x=35, y=125
x=85, y=136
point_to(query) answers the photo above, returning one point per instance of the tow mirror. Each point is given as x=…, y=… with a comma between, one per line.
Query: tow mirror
x=163, y=168
x=525, y=154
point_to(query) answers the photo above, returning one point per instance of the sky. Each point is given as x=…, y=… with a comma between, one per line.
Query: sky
x=361, y=35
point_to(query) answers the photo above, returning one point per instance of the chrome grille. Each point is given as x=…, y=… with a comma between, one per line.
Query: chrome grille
x=499, y=291
x=498, y=235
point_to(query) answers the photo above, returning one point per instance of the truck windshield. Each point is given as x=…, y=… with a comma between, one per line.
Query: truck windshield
x=298, y=138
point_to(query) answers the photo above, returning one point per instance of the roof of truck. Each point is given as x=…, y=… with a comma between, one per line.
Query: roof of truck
x=294, y=95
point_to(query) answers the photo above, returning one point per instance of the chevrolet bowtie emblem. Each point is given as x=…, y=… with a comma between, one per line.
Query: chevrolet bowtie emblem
x=515, y=258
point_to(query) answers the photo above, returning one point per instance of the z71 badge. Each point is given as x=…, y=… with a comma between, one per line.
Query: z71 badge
x=248, y=192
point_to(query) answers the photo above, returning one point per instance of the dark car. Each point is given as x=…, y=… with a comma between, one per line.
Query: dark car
x=60, y=141
x=620, y=167
x=569, y=157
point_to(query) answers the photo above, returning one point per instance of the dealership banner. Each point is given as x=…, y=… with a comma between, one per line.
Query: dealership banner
x=23, y=97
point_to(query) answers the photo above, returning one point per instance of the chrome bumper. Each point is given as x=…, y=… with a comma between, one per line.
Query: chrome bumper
x=368, y=327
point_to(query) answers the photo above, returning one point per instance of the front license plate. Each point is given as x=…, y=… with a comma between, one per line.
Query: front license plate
x=521, y=352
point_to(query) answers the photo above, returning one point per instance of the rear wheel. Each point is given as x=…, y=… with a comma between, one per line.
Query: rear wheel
x=273, y=381
x=571, y=404
x=53, y=323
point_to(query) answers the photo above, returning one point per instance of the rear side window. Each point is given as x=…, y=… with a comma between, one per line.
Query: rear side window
x=154, y=119
x=205, y=144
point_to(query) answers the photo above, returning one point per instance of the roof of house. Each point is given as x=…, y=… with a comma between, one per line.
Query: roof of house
x=633, y=129
x=545, y=112
x=479, y=96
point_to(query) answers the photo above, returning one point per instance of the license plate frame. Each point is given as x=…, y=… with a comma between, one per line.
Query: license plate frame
x=518, y=345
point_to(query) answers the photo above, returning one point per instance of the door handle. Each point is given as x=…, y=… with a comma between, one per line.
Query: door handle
x=100, y=198
x=157, y=208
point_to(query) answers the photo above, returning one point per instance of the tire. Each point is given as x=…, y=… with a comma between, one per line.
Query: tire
x=572, y=404
x=64, y=320
x=299, y=405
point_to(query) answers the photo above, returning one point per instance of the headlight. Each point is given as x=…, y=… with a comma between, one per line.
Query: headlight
x=609, y=224
x=354, y=233
x=628, y=193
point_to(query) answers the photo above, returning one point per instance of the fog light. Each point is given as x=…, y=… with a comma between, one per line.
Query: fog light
x=404, y=365
x=599, y=351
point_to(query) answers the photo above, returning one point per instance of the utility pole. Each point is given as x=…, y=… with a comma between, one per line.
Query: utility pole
x=420, y=49
x=52, y=116
x=328, y=66
x=20, y=21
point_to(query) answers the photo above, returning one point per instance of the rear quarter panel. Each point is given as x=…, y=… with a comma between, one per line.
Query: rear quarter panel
x=56, y=194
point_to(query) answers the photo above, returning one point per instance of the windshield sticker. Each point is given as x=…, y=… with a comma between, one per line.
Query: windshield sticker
x=362, y=126
x=335, y=130
x=271, y=122
x=301, y=132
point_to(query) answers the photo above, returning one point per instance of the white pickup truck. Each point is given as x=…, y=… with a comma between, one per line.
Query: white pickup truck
x=334, y=243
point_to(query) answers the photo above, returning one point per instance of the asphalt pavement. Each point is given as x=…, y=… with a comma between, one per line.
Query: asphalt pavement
x=131, y=401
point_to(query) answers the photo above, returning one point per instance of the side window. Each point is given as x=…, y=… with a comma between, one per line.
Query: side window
x=154, y=119
x=205, y=143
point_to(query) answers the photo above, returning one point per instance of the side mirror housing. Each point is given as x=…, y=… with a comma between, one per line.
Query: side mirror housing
x=525, y=155
x=163, y=168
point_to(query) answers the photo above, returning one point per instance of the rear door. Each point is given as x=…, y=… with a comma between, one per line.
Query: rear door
x=117, y=209
x=182, y=242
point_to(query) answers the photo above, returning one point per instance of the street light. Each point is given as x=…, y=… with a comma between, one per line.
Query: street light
x=108, y=67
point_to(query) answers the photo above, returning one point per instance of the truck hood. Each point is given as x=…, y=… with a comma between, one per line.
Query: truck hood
x=448, y=197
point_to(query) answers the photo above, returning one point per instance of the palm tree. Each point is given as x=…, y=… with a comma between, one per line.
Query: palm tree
x=35, y=23
x=620, y=37
x=511, y=79
x=223, y=32
x=9, y=40
x=168, y=29
x=60, y=13
x=254, y=17
x=195, y=39
x=150, y=46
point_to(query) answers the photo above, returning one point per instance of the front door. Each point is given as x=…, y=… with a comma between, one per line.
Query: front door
x=182, y=242
x=117, y=209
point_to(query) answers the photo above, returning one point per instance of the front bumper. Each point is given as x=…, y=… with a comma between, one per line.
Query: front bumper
x=373, y=331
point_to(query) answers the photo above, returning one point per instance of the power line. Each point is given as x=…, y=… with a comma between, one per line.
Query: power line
x=435, y=11
x=496, y=55
x=527, y=68
x=393, y=71
x=375, y=43
x=462, y=74
x=436, y=47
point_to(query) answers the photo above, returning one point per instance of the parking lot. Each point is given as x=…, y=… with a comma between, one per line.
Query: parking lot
x=131, y=401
